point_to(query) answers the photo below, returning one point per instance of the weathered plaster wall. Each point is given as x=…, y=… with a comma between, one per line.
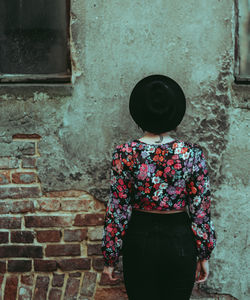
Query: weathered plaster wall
x=115, y=44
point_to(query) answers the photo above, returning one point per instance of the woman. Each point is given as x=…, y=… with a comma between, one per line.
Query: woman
x=158, y=214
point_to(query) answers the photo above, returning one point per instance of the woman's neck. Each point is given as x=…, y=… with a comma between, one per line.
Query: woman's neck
x=156, y=138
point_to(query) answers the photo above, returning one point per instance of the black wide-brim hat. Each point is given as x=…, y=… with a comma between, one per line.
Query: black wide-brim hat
x=157, y=104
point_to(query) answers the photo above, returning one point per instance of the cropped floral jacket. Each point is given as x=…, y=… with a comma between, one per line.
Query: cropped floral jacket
x=161, y=177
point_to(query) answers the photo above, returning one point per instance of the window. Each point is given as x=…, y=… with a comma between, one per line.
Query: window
x=242, y=41
x=34, y=41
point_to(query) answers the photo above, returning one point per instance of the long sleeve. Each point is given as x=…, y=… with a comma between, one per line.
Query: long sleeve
x=199, y=206
x=119, y=209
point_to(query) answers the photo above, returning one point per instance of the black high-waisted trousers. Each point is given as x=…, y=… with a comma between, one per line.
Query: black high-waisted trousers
x=159, y=256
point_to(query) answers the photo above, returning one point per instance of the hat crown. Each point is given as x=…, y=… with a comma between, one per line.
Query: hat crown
x=158, y=98
x=157, y=104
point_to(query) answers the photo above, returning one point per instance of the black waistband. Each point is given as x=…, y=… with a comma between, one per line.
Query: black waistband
x=140, y=215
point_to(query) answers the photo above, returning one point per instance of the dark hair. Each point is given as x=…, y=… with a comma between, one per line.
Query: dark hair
x=156, y=132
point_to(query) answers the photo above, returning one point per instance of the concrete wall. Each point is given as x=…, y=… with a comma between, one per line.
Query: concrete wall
x=115, y=44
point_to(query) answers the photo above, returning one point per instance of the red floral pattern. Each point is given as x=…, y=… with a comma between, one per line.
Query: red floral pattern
x=158, y=177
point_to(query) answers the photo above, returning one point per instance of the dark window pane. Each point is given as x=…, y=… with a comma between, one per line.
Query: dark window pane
x=242, y=41
x=244, y=36
x=34, y=37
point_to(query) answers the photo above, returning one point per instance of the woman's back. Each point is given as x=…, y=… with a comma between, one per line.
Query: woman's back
x=153, y=177
x=160, y=175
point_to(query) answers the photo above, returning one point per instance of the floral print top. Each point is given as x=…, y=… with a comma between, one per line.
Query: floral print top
x=163, y=177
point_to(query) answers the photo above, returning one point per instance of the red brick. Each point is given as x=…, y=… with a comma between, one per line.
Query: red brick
x=72, y=288
x=106, y=281
x=67, y=193
x=45, y=265
x=75, y=274
x=4, y=237
x=7, y=207
x=63, y=250
x=41, y=287
x=98, y=263
x=9, y=163
x=76, y=205
x=55, y=294
x=1, y=280
x=89, y=220
x=88, y=284
x=25, y=293
x=21, y=177
x=20, y=192
x=10, y=222
x=76, y=235
x=19, y=265
x=27, y=279
x=22, y=237
x=10, y=290
x=95, y=234
x=114, y=293
x=58, y=280
x=49, y=205
x=21, y=251
x=48, y=221
x=4, y=177
x=48, y=236
x=74, y=264
x=94, y=249
x=26, y=136
x=2, y=266
x=29, y=162
x=99, y=206
x=22, y=206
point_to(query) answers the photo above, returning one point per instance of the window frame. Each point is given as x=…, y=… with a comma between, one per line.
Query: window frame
x=239, y=79
x=50, y=78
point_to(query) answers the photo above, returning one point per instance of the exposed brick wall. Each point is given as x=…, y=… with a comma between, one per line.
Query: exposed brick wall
x=50, y=244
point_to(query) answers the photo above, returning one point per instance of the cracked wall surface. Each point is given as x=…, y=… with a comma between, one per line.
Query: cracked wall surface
x=114, y=44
